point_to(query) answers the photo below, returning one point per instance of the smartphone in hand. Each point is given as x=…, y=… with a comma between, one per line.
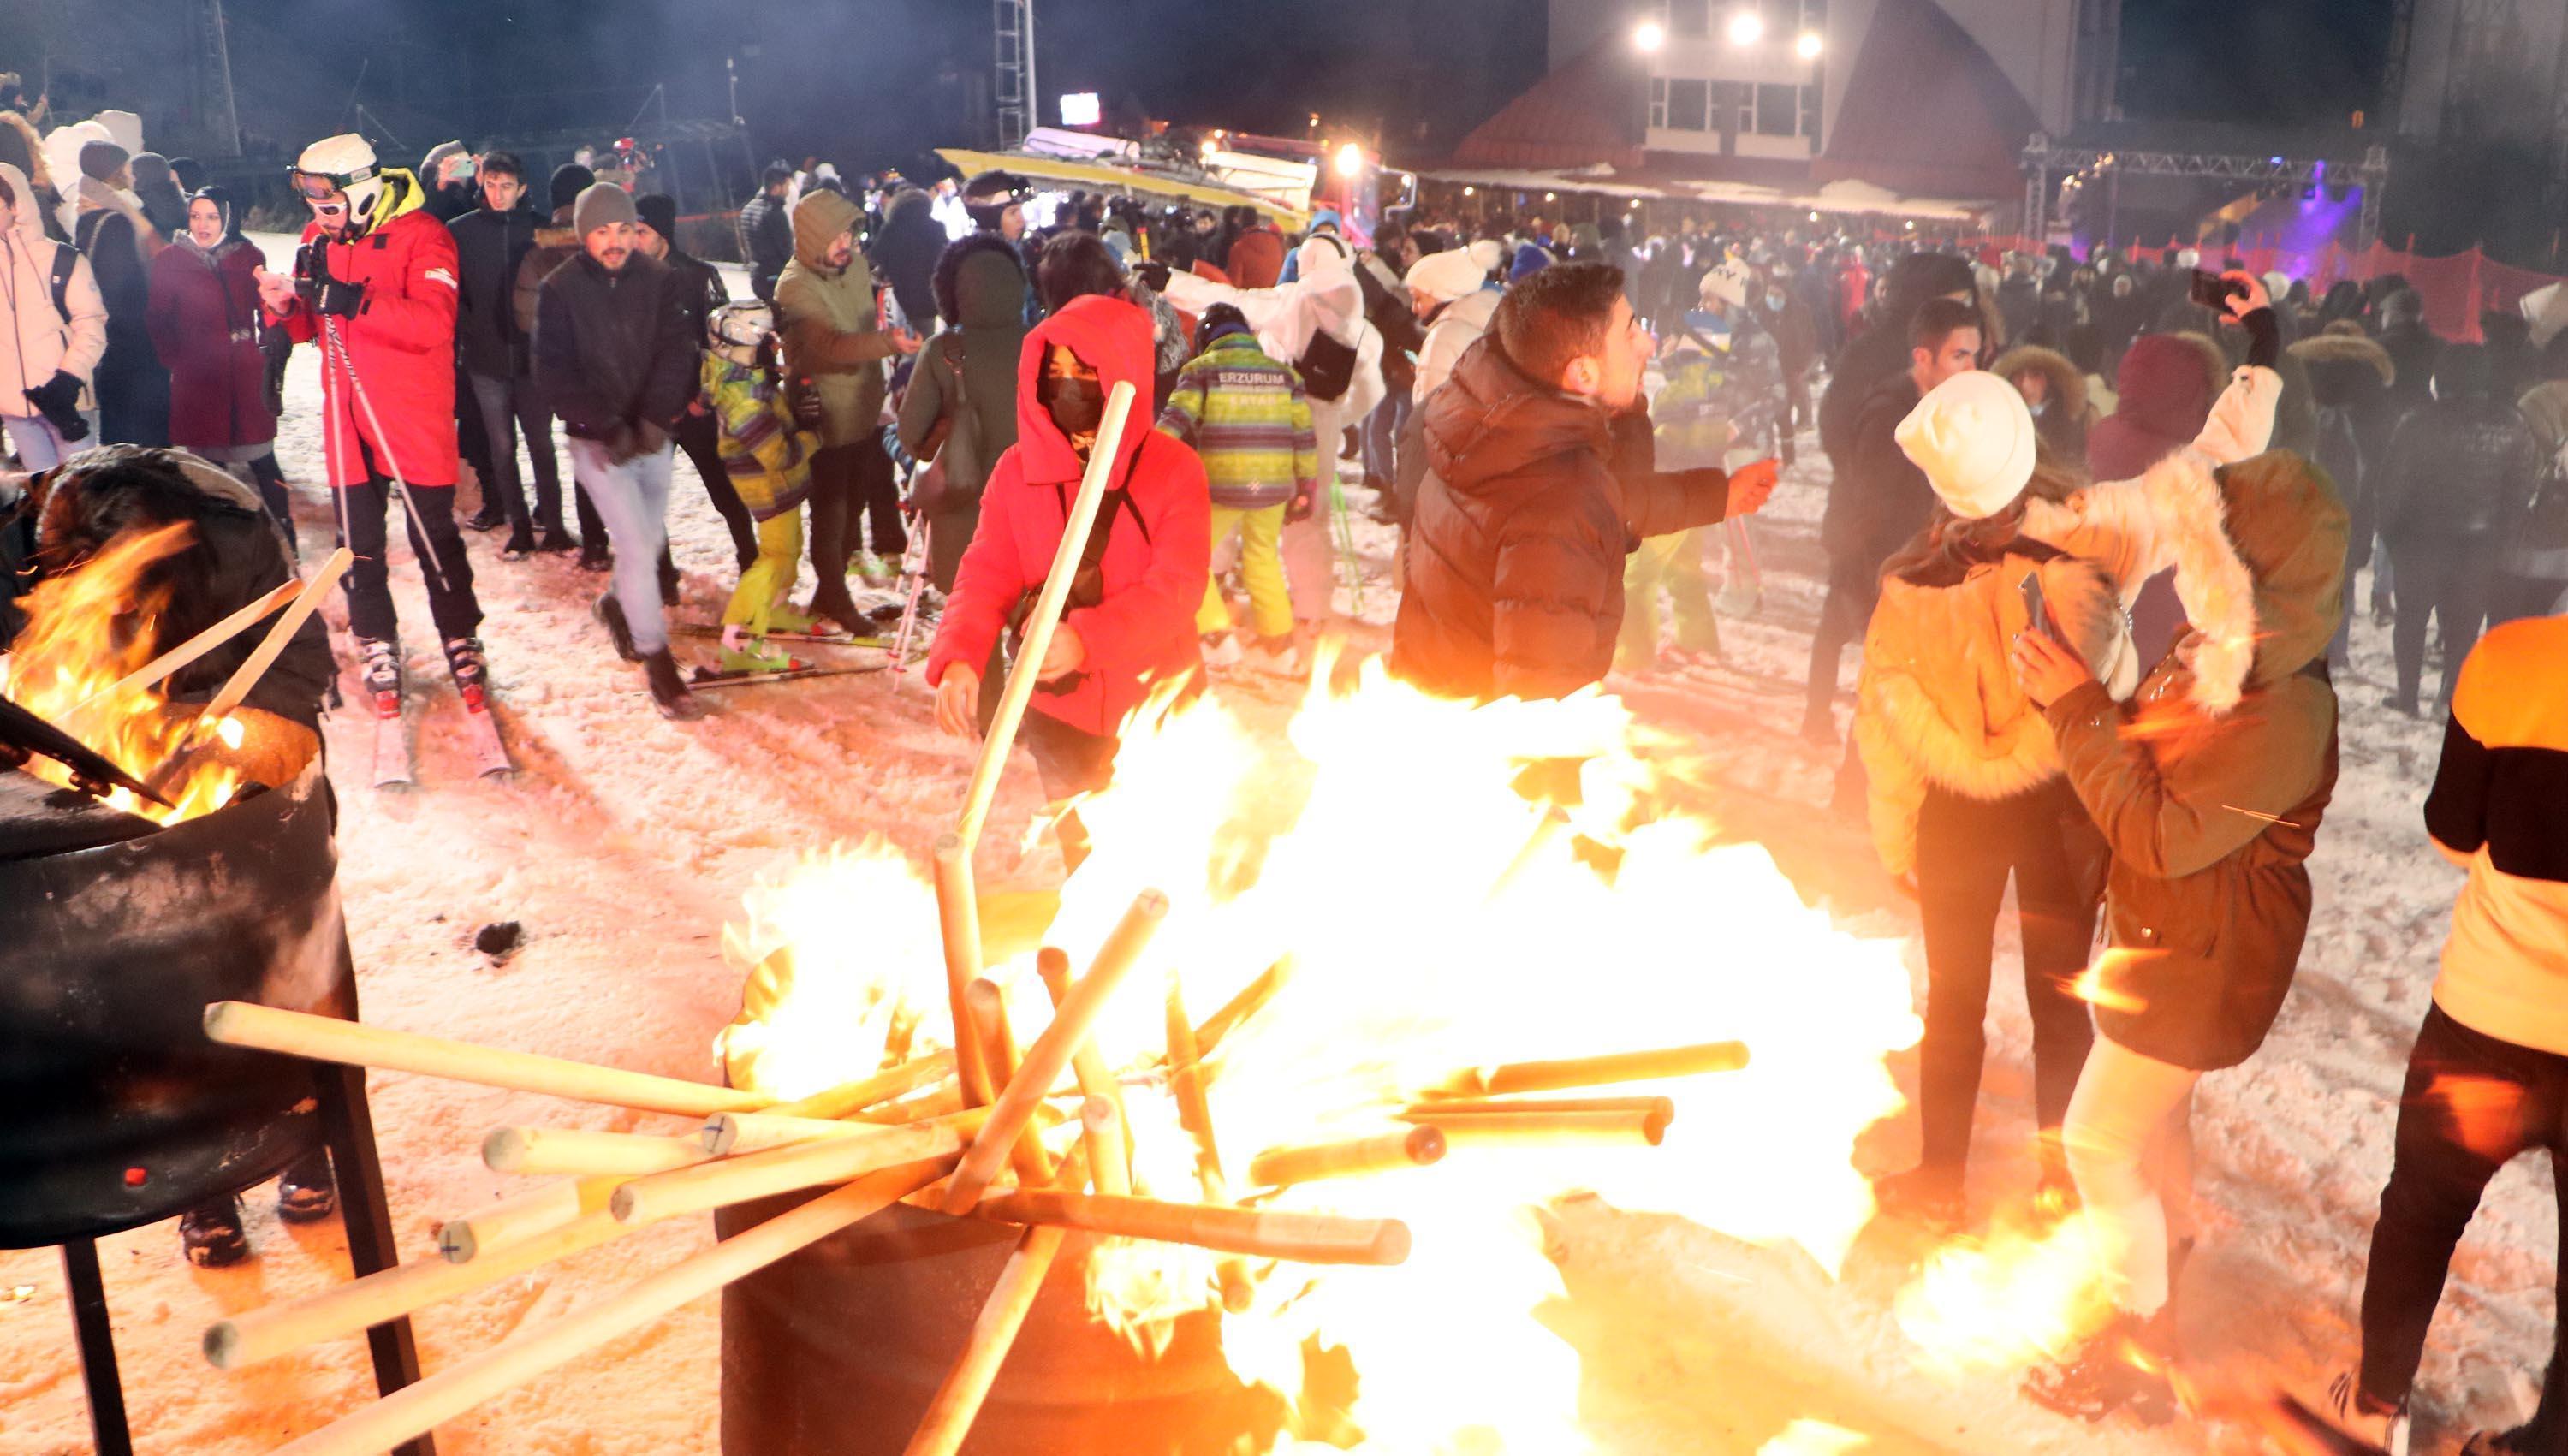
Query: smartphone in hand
x=2036, y=611
x=2214, y=292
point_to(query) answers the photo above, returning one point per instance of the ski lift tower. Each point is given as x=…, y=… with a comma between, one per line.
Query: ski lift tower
x=214, y=110
x=1019, y=104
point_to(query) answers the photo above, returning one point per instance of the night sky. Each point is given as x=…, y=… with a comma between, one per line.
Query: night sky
x=2294, y=62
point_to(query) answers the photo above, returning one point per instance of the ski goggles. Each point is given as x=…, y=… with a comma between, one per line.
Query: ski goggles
x=326, y=193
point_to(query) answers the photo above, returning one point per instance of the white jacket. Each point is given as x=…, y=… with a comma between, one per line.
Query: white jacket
x=1285, y=318
x=35, y=340
x=1458, y=328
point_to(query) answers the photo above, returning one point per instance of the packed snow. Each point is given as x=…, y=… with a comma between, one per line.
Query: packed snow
x=627, y=840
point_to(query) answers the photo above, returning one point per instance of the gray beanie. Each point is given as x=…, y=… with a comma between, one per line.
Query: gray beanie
x=100, y=160
x=602, y=205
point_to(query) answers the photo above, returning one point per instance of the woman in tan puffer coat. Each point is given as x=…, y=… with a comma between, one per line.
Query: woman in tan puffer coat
x=1965, y=782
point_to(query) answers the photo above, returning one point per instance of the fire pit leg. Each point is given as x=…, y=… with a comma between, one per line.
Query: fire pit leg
x=349, y=1125
x=97, y=1348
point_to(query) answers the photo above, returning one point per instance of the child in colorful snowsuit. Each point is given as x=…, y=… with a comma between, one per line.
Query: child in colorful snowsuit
x=770, y=461
x=1247, y=415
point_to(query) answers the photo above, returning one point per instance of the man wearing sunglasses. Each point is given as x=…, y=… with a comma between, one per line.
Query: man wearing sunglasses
x=373, y=284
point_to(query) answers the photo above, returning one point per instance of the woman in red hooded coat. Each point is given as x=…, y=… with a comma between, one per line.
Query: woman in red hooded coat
x=1134, y=629
x=205, y=325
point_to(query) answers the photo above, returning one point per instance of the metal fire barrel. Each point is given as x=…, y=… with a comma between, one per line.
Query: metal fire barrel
x=836, y=1351
x=115, y=1111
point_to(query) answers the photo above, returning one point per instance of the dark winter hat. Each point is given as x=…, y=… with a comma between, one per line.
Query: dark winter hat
x=602, y=205
x=569, y=181
x=222, y=200
x=150, y=168
x=1219, y=321
x=660, y=213
x=188, y=174
x=1530, y=258
x=100, y=160
x=988, y=195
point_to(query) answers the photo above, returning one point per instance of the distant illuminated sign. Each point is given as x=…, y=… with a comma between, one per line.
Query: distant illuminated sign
x=1081, y=109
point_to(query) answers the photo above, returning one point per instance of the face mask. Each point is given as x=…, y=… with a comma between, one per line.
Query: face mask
x=1077, y=406
x=1774, y=303
x=2040, y=408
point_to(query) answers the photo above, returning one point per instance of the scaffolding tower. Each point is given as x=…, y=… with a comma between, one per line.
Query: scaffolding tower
x=215, y=112
x=1012, y=94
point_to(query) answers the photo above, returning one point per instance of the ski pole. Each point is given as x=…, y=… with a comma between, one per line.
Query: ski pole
x=392, y=467
x=913, y=572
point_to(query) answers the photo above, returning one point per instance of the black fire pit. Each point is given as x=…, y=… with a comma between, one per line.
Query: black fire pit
x=113, y=935
x=836, y=1351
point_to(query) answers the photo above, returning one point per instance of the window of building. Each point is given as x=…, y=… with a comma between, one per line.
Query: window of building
x=1743, y=95
x=1778, y=111
x=1689, y=106
x=1809, y=111
x=1689, y=18
x=1659, y=101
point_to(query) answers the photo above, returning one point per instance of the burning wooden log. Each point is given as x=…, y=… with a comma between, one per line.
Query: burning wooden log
x=344, y=1309
x=1096, y=1081
x=988, y=1007
x=1051, y=1055
x=850, y=1099
x=957, y=1402
x=1103, y=1131
x=1664, y=1107
x=159, y=667
x=326, y=1039
x=1253, y=1233
x=726, y=1134
x=1638, y=1127
x=566, y=1150
x=1251, y=999
x=1591, y=1072
x=958, y=918
x=449, y=1392
x=1194, y=1114
x=1415, y=1147
x=512, y=1220
x=800, y=1165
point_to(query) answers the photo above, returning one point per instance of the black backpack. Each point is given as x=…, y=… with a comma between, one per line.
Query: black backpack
x=1327, y=366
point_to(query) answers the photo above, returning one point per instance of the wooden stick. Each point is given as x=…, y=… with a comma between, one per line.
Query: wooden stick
x=1664, y=1108
x=1590, y=1071
x=1051, y=1055
x=417, y=1408
x=567, y=1150
x=850, y=1099
x=1252, y=1232
x=1542, y=1129
x=957, y=1402
x=188, y=650
x=726, y=1135
x=1194, y=1114
x=1251, y=999
x=1095, y=1081
x=800, y=1165
x=988, y=1007
x=958, y=922
x=1103, y=1133
x=514, y=1220
x=1102, y=463
x=361, y=1304
x=255, y=666
x=945, y=1100
x=1384, y=1152
x=327, y=1038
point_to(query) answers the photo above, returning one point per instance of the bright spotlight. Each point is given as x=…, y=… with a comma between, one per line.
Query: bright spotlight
x=1808, y=46
x=1746, y=28
x=1650, y=36
x=1350, y=160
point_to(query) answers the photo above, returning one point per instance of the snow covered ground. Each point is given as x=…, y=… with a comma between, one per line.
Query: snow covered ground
x=627, y=840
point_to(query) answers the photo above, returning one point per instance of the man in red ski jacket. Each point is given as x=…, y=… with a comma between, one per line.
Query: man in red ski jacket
x=374, y=285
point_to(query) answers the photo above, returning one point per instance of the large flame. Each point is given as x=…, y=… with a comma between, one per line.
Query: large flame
x=1433, y=917
x=86, y=628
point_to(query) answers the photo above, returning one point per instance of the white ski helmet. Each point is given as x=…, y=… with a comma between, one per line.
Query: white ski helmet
x=742, y=325
x=345, y=164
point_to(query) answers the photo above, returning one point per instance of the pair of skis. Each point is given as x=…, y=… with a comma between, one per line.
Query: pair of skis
x=490, y=749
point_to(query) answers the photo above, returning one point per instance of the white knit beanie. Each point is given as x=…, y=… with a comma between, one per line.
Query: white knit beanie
x=1449, y=275
x=1973, y=437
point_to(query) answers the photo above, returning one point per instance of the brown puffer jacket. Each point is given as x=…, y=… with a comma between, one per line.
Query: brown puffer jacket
x=1938, y=702
x=1515, y=577
x=2209, y=785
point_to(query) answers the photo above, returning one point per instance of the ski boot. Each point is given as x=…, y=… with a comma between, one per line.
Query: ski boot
x=619, y=629
x=380, y=671
x=744, y=651
x=464, y=659
x=669, y=690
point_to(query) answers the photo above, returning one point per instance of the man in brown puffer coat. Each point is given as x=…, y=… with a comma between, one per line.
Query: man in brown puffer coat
x=1515, y=576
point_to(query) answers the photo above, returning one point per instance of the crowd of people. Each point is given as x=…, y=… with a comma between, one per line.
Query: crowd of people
x=2096, y=526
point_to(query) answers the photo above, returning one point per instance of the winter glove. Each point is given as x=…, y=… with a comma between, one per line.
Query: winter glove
x=326, y=294
x=1300, y=508
x=57, y=400
x=1154, y=276
x=340, y=299
x=804, y=399
x=2264, y=338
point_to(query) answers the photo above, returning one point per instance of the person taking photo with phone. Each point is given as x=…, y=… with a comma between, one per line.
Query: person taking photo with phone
x=1964, y=784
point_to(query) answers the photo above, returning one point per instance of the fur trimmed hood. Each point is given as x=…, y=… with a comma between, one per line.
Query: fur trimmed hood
x=2068, y=382
x=2321, y=349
